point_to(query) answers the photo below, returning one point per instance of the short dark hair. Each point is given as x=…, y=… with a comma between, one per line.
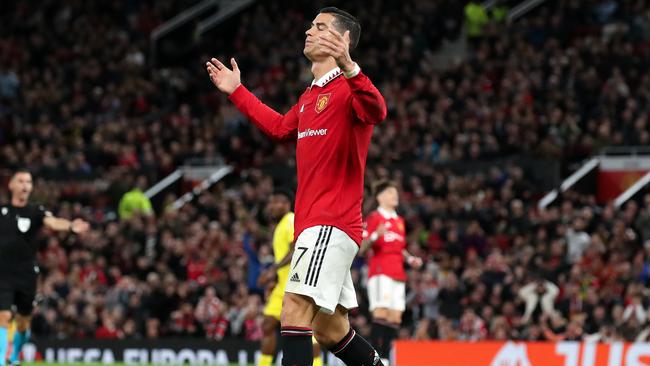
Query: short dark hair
x=381, y=186
x=286, y=192
x=19, y=170
x=345, y=21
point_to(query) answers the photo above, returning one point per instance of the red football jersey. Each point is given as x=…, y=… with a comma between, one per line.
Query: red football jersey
x=333, y=124
x=387, y=257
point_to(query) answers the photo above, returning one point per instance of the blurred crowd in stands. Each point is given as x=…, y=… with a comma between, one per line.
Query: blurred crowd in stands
x=83, y=106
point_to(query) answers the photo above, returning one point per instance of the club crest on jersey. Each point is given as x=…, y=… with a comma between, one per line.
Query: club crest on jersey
x=400, y=226
x=23, y=224
x=322, y=101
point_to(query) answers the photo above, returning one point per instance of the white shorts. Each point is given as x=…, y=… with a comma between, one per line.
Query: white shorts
x=320, y=268
x=385, y=292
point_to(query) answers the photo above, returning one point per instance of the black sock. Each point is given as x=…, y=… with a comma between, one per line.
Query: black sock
x=383, y=332
x=377, y=336
x=353, y=350
x=389, y=336
x=296, y=346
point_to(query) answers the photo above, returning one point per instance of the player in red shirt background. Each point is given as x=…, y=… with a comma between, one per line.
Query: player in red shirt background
x=332, y=123
x=385, y=236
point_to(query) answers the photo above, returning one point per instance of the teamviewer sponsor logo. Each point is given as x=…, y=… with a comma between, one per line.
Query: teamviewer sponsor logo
x=309, y=132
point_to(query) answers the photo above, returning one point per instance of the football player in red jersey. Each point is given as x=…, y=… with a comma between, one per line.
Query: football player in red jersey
x=385, y=236
x=332, y=124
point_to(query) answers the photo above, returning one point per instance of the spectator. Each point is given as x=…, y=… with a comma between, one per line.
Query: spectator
x=210, y=311
x=108, y=329
x=184, y=322
x=472, y=327
x=475, y=19
x=450, y=297
x=635, y=310
x=152, y=328
x=539, y=297
x=557, y=84
x=577, y=240
x=135, y=201
x=130, y=330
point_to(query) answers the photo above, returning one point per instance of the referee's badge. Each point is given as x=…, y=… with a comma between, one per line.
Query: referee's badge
x=321, y=102
x=4, y=211
x=23, y=224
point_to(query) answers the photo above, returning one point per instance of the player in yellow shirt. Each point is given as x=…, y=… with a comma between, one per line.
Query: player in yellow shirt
x=279, y=208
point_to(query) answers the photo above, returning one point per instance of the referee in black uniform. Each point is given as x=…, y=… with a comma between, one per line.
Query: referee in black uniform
x=19, y=225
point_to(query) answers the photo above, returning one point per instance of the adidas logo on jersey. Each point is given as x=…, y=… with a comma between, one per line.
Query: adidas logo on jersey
x=295, y=278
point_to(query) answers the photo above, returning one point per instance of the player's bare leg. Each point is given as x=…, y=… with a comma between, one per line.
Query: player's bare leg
x=330, y=329
x=20, y=337
x=298, y=311
x=385, y=324
x=334, y=333
x=22, y=322
x=395, y=317
x=269, y=343
x=5, y=318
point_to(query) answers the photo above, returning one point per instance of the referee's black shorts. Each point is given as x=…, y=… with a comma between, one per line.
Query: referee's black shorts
x=18, y=287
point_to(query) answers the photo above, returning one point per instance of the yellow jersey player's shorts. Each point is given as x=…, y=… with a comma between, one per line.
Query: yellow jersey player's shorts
x=282, y=240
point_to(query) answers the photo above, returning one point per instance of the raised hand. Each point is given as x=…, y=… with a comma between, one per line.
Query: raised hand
x=413, y=261
x=338, y=46
x=79, y=226
x=222, y=77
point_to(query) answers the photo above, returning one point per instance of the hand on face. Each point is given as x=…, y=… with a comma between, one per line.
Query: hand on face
x=338, y=47
x=323, y=41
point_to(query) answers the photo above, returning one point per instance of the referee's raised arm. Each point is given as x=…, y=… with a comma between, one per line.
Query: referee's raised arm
x=77, y=226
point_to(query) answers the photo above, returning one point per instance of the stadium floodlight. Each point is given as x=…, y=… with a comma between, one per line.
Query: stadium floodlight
x=216, y=176
x=226, y=10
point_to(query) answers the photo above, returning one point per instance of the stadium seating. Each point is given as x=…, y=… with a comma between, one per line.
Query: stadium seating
x=82, y=108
